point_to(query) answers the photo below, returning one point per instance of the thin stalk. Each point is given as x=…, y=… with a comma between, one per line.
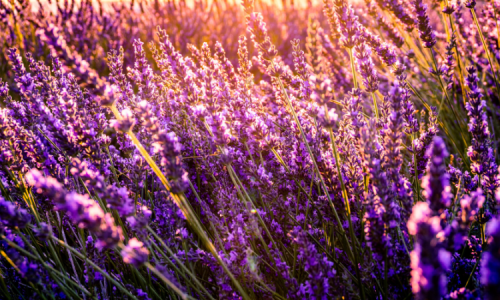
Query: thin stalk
x=185, y=207
x=112, y=166
x=486, y=50
x=96, y=267
x=347, y=205
x=402, y=239
x=375, y=107
x=350, y=248
x=48, y=267
x=386, y=269
x=353, y=69
x=7, y=258
x=51, y=245
x=70, y=256
x=459, y=150
x=230, y=167
x=459, y=120
x=178, y=271
x=313, y=159
x=472, y=272
x=457, y=54
x=168, y=282
x=415, y=164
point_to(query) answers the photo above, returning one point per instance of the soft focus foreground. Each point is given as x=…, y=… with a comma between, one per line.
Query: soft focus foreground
x=250, y=151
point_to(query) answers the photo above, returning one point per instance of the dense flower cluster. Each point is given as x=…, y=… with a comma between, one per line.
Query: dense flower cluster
x=315, y=152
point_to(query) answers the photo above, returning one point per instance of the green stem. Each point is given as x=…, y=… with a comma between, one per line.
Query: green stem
x=375, y=107
x=486, y=50
x=104, y=273
x=183, y=204
x=168, y=282
x=347, y=205
x=112, y=166
x=386, y=269
x=415, y=166
x=435, y=66
x=472, y=272
x=353, y=69
x=350, y=248
x=48, y=267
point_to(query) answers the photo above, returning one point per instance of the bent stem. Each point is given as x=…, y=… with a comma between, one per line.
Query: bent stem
x=168, y=282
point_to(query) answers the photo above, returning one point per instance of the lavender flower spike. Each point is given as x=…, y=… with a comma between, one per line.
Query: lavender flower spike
x=135, y=253
x=480, y=151
x=436, y=183
x=366, y=67
x=429, y=259
x=82, y=210
x=348, y=25
x=490, y=264
x=427, y=34
x=12, y=216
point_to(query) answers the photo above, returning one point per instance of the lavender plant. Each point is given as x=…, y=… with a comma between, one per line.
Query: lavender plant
x=335, y=150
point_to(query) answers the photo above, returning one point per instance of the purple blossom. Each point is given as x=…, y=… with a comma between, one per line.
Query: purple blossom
x=216, y=117
x=366, y=67
x=258, y=34
x=490, y=263
x=12, y=216
x=397, y=7
x=422, y=145
x=126, y=122
x=427, y=34
x=429, y=260
x=82, y=210
x=135, y=253
x=480, y=151
x=436, y=182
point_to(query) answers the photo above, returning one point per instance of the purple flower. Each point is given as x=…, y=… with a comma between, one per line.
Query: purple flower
x=490, y=263
x=319, y=269
x=135, y=253
x=399, y=10
x=427, y=34
x=327, y=119
x=167, y=147
x=469, y=213
x=429, y=259
x=383, y=50
x=81, y=210
x=126, y=122
x=332, y=19
x=258, y=33
x=48, y=187
x=12, y=216
x=366, y=67
x=347, y=23
x=470, y=4
x=436, y=183
x=480, y=151
x=422, y=144
x=381, y=22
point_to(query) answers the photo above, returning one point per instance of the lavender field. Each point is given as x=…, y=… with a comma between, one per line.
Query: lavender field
x=253, y=150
